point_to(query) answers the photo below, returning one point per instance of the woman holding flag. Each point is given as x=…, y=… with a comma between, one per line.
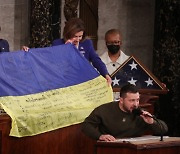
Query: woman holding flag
x=74, y=33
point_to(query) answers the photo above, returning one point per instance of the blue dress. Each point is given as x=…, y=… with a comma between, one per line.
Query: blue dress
x=87, y=50
x=4, y=45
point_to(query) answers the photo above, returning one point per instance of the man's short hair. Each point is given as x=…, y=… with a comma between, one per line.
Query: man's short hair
x=112, y=31
x=129, y=88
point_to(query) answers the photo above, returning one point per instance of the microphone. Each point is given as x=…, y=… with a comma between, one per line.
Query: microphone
x=138, y=111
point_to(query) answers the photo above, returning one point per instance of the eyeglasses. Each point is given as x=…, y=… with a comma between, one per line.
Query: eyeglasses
x=113, y=43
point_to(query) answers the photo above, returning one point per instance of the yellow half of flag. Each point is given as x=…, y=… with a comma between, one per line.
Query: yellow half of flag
x=42, y=112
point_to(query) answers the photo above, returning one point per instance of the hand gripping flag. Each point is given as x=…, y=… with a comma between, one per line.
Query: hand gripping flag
x=49, y=88
x=133, y=72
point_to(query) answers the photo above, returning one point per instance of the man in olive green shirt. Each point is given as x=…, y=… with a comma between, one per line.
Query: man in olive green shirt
x=115, y=120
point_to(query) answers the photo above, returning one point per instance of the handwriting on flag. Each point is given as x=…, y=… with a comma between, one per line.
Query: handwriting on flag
x=49, y=88
x=38, y=113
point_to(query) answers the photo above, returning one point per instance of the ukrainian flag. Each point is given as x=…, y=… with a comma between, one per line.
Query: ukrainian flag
x=49, y=88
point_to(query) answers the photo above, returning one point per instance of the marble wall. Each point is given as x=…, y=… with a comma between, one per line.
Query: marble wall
x=135, y=20
x=14, y=22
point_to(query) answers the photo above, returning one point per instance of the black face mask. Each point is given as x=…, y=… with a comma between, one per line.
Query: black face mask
x=113, y=49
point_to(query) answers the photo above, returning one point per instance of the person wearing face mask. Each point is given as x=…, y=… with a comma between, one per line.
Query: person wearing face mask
x=114, y=57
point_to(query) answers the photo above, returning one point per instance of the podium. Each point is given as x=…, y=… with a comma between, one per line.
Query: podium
x=170, y=145
x=70, y=140
x=67, y=140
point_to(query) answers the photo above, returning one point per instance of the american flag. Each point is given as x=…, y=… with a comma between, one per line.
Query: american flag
x=133, y=72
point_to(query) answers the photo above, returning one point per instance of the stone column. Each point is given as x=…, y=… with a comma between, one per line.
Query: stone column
x=14, y=22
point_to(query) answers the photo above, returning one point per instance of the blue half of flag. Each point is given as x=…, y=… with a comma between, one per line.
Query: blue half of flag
x=43, y=69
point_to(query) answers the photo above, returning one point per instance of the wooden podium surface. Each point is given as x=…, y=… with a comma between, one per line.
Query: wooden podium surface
x=68, y=140
x=170, y=145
